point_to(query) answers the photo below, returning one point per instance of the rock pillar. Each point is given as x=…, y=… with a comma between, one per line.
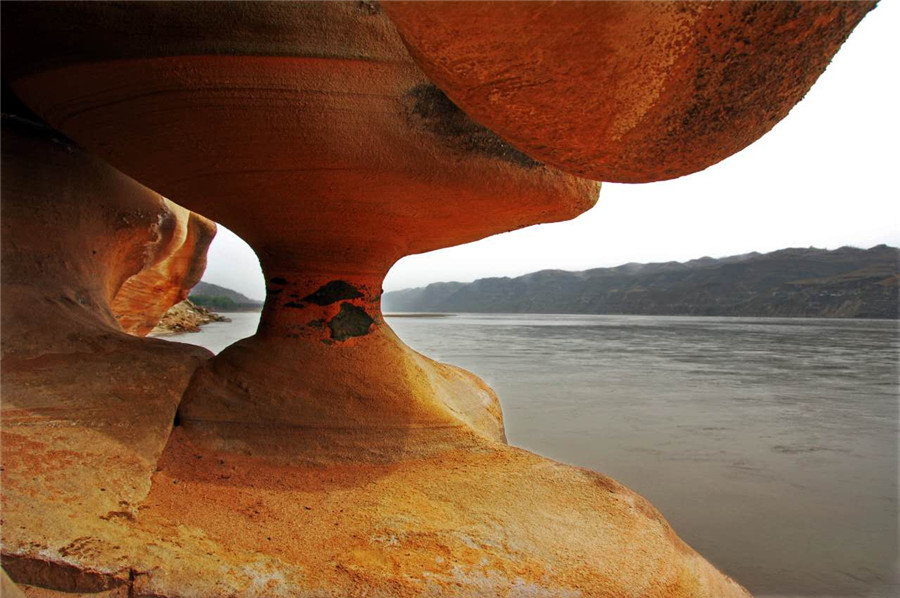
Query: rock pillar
x=333, y=157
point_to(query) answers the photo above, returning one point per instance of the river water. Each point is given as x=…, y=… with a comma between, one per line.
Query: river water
x=770, y=445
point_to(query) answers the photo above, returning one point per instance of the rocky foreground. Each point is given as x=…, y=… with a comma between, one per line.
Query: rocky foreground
x=322, y=456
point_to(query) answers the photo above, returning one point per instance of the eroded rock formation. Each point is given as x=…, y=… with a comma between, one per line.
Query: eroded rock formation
x=86, y=407
x=350, y=158
x=626, y=91
x=320, y=456
x=144, y=298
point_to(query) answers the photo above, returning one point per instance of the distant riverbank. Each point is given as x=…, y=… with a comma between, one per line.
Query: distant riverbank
x=811, y=283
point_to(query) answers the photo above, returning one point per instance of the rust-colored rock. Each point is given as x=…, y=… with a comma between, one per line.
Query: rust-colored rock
x=333, y=158
x=628, y=91
x=75, y=231
x=320, y=456
x=144, y=298
x=86, y=407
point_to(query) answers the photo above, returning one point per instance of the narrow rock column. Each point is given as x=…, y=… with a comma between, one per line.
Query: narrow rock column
x=325, y=372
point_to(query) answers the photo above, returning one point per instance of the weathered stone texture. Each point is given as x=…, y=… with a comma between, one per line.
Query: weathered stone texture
x=144, y=298
x=86, y=407
x=627, y=91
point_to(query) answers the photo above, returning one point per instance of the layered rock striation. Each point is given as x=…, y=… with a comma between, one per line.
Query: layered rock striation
x=320, y=456
x=147, y=296
x=350, y=158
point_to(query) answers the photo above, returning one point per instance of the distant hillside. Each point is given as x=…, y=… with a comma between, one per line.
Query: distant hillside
x=844, y=283
x=217, y=298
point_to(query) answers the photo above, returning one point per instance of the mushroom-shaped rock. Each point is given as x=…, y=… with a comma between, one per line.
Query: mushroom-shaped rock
x=628, y=91
x=322, y=456
x=306, y=129
x=145, y=297
x=87, y=408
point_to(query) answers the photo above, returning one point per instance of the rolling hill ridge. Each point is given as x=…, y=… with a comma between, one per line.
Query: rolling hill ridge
x=213, y=296
x=845, y=283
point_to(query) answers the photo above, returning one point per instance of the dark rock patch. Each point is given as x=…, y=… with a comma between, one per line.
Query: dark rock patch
x=349, y=322
x=334, y=291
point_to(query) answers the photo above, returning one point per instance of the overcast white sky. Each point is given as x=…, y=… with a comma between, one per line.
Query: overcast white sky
x=826, y=176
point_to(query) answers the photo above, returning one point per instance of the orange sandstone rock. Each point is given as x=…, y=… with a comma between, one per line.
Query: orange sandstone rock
x=475, y=518
x=320, y=456
x=74, y=232
x=145, y=297
x=86, y=407
x=628, y=91
x=333, y=159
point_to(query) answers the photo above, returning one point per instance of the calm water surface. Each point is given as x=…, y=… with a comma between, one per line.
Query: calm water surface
x=769, y=444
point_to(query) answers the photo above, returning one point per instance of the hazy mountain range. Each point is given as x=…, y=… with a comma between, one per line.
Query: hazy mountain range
x=212, y=296
x=845, y=282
